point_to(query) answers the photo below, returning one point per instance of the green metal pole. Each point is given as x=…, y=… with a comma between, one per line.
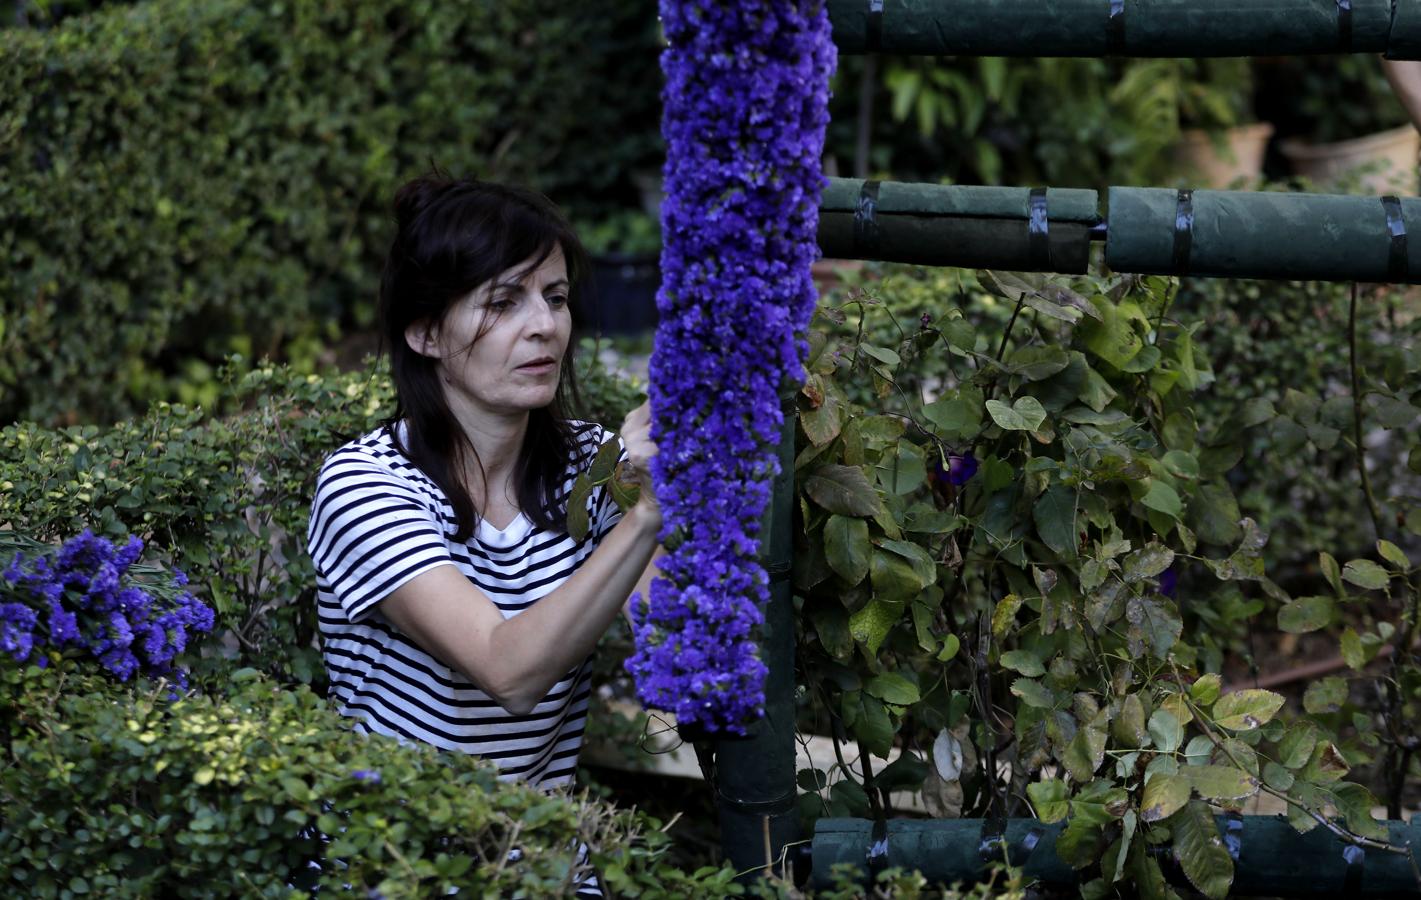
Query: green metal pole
x=754, y=776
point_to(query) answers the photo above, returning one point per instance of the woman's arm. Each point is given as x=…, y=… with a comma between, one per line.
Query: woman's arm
x=517, y=661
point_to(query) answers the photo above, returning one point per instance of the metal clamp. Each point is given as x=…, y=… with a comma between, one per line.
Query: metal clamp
x=865, y=226
x=1039, y=231
x=1183, y=231
x=1115, y=29
x=1398, y=266
x=1344, y=26
x=873, y=33
x=877, y=857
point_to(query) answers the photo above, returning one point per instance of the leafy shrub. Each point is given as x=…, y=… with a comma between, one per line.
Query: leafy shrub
x=186, y=181
x=116, y=792
x=1062, y=610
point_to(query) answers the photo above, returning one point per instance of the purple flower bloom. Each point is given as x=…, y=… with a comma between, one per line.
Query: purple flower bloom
x=369, y=776
x=746, y=103
x=1169, y=582
x=959, y=471
x=17, y=626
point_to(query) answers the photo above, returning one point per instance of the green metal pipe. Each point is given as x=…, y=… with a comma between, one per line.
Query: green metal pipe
x=1238, y=234
x=1138, y=28
x=1270, y=857
x=754, y=776
x=954, y=225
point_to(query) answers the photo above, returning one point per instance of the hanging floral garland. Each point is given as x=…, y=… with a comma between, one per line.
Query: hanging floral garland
x=746, y=103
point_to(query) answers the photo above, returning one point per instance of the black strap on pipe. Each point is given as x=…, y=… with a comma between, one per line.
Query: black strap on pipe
x=873, y=33
x=1028, y=843
x=1183, y=231
x=1352, y=881
x=1115, y=29
x=1398, y=267
x=865, y=227
x=990, y=848
x=1039, y=230
x=877, y=858
x=1344, y=26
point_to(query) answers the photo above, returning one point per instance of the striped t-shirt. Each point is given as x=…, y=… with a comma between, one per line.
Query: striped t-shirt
x=378, y=521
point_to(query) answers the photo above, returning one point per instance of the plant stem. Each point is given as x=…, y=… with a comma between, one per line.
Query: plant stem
x=1357, y=414
x=1006, y=335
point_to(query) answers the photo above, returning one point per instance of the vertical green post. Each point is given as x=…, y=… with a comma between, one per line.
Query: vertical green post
x=754, y=776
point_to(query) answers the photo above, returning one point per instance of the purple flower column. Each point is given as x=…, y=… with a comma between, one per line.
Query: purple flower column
x=746, y=103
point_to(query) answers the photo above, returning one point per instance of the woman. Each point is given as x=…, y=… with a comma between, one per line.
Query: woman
x=454, y=607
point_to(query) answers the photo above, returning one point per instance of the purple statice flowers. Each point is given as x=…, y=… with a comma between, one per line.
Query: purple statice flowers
x=746, y=103
x=77, y=599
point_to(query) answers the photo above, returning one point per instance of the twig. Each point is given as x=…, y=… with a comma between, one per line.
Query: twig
x=1357, y=414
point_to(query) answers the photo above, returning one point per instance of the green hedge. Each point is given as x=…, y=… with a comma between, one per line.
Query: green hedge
x=117, y=792
x=225, y=498
x=182, y=181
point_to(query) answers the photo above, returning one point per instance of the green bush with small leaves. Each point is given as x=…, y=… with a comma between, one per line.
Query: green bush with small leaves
x=180, y=181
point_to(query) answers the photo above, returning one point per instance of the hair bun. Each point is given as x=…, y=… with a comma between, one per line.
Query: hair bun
x=414, y=197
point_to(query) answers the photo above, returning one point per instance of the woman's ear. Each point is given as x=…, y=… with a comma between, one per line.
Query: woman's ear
x=423, y=338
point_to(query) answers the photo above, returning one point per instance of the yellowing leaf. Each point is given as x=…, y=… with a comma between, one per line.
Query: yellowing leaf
x=1244, y=710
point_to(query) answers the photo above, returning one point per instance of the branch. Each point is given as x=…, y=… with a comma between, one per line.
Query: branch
x=1361, y=454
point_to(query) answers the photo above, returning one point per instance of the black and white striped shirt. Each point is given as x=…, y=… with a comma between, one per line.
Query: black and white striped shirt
x=377, y=522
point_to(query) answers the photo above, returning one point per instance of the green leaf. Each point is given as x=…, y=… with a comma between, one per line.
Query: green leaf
x=846, y=547
x=1215, y=514
x=1201, y=852
x=1113, y=337
x=1305, y=614
x=1085, y=753
x=1025, y=414
x=1332, y=572
x=871, y=625
x=1181, y=465
x=1147, y=562
x=1392, y=554
x=1325, y=695
x=1037, y=363
x=1205, y=689
x=892, y=688
x=1355, y=803
x=882, y=354
x=954, y=417
x=1162, y=498
x=1164, y=796
x=1049, y=798
x=605, y=462
x=902, y=471
x=842, y=489
x=1153, y=626
x=1033, y=693
x=893, y=577
x=1277, y=777
x=577, y=521
x=1365, y=574
x=1004, y=615
x=1128, y=726
x=1221, y=782
x=1055, y=515
x=1166, y=731
x=1024, y=661
x=874, y=728
x=1352, y=650
x=1245, y=710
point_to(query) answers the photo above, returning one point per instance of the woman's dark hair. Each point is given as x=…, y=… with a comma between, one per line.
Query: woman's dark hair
x=453, y=236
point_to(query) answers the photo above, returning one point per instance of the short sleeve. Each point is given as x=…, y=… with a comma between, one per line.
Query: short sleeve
x=603, y=512
x=370, y=532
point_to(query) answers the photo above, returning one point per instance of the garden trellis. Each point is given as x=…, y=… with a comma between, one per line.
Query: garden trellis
x=1145, y=230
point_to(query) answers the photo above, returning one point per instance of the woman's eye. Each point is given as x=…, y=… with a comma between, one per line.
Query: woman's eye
x=557, y=300
x=500, y=305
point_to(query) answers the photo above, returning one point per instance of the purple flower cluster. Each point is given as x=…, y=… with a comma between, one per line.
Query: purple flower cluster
x=77, y=599
x=746, y=103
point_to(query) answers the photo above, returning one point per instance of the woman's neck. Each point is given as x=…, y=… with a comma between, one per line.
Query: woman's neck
x=497, y=439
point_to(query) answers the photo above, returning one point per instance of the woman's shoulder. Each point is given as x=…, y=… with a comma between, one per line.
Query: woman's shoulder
x=375, y=450
x=587, y=439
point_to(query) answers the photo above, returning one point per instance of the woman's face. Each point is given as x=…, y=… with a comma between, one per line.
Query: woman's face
x=500, y=349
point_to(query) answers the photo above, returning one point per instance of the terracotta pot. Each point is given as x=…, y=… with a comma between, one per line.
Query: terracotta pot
x=1208, y=162
x=1385, y=162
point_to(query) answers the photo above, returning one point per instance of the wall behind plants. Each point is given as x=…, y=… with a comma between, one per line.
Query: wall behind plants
x=182, y=181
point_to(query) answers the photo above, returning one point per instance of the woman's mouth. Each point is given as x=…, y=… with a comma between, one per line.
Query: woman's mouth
x=539, y=366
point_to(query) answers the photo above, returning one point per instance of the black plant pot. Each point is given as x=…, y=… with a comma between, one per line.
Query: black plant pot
x=622, y=299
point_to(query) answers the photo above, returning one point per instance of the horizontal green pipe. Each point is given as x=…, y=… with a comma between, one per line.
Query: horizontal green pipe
x=1239, y=234
x=1272, y=858
x=1138, y=28
x=985, y=202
